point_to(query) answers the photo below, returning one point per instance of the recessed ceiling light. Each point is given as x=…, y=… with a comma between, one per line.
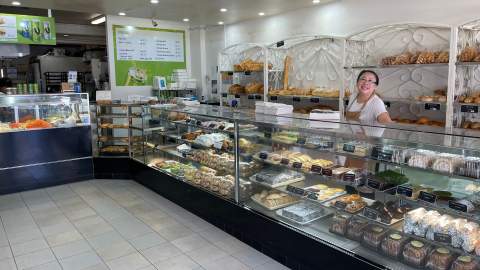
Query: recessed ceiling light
x=122, y=13
x=220, y=23
x=223, y=10
x=186, y=19
x=154, y=1
x=315, y=1
x=16, y=3
x=66, y=35
x=261, y=14
x=98, y=20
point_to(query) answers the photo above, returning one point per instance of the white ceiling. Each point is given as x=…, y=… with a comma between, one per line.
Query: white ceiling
x=200, y=12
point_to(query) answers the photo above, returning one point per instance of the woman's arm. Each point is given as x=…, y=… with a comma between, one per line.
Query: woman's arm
x=384, y=118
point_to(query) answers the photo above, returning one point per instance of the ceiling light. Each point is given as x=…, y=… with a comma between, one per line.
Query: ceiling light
x=154, y=1
x=66, y=35
x=315, y=1
x=98, y=20
x=16, y=3
x=122, y=13
x=220, y=23
x=223, y=10
x=186, y=19
x=261, y=14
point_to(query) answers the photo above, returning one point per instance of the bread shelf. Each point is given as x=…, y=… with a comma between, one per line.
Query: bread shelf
x=399, y=66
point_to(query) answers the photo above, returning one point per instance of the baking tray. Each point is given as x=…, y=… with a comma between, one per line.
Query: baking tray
x=394, y=221
x=366, y=200
x=326, y=214
x=254, y=179
x=272, y=208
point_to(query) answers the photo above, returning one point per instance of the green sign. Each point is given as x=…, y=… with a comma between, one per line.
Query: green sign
x=24, y=29
x=142, y=53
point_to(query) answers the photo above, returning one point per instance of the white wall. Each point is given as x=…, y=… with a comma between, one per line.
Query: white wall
x=345, y=17
x=121, y=92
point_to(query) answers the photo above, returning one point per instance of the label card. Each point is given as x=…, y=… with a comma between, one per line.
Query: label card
x=296, y=99
x=297, y=165
x=457, y=206
x=349, y=148
x=373, y=184
x=370, y=213
x=263, y=155
x=463, y=108
x=432, y=106
x=301, y=140
x=327, y=171
x=273, y=98
x=284, y=161
x=442, y=238
x=427, y=197
x=296, y=190
x=349, y=177
x=316, y=169
x=405, y=191
x=315, y=100
x=340, y=205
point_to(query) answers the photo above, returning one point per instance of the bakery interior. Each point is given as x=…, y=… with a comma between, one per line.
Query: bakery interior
x=161, y=134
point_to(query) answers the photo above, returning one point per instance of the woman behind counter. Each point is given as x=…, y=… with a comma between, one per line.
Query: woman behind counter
x=367, y=106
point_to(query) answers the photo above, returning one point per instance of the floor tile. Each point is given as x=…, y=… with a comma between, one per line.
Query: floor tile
x=60, y=227
x=172, y=233
x=48, y=266
x=93, y=226
x=116, y=251
x=207, y=254
x=161, y=252
x=63, y=238
x=34, y=259
x=130, y=227
x=147, y=241
x=252, y=257
x=22, y=237
x=191, y=242
x=80, y=213
x=272, y=265
x=29, y=247
x=233, y=264
x=215, y=235
x=181, y=262
x=130, y=262
x=8, y=264
x=71, y=249
x=5, y=253
x=81, y=261
x=232, y=245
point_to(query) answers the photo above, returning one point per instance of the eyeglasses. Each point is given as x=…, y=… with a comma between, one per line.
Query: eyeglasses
x=367, y=81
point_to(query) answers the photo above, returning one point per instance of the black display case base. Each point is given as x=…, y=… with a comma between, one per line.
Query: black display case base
x=286, y=245
x=113, y=167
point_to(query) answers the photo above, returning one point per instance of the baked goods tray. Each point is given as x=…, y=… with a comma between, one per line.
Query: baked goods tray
x=294, y=180
x=272, y=208
x=394, y=221
x=326, y=214
x=331, y=203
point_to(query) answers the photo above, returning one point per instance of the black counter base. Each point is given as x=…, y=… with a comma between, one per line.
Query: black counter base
x=285, y=245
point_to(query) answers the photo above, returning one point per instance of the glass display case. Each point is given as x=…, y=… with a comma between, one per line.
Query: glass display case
x=401, y=199
x=29, y=112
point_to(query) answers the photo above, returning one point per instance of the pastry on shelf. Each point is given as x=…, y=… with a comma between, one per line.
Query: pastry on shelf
x=392, y=245
x=190, y=136
x=440, y=259
x=354, y=203
x=389, y=60
x=415, y=253
x=373, y=236
x=468, y=54
x=402, y=59
x=324, y=192
x=303, y=212
x=235, y=89
x=254, y=88
x=273, y=199
x=275, y=177
x=339, y=224
x=426, y=58
x=177, y=116
x=442, y=57
x=355, y=228
x=465, y=262
x=288, y=137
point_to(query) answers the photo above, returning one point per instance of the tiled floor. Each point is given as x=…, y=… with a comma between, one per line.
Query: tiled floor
x=117, y=225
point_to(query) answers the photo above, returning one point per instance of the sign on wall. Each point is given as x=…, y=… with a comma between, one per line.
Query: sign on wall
x=24, y=29
x=142, y=53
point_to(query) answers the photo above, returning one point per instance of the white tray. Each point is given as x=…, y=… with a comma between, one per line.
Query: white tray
x=298, y=179
x=279, y=212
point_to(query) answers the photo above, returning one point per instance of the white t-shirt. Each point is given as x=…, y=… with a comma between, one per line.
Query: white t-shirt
x=372, y=110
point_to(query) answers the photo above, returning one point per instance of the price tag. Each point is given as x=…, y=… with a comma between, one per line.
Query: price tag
x=248, y=73
x=312, y=195
x=442, y=238
x=230, y=73
x=297, y=165
x=184, y=154
x=315, y=100
x=263, y=155
x=370, y=213
x=351, y=190
x=296, y=190
x=284, y=161
x=316, y=169
x=301, y=140
x=346, y=102
x=469, y=108
x=349, y=148
x=405, y=191
x=349, y=177
x=432, y=106
x=237, y=96
x=340, y=205
x=280, y=44
x=258, y=97
x=379, y=154
x=296, y=99
x=387, y=104
x=373, y=184
x=327, y=171
x=224, y=95
x=251, y=97
x=427, y=197
x=457, y=206
x=267, y=135
x=198, y=123
x=273, y=98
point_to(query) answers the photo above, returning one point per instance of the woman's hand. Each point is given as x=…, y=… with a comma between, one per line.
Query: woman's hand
x=384, y=118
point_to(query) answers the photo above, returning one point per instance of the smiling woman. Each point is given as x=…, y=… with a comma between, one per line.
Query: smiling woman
x=367, y=106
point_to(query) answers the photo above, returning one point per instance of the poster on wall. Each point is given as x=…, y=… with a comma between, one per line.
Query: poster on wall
x=142, y=53
x=24, y=29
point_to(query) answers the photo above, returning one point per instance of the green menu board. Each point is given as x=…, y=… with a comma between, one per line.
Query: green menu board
x=142, y=53
x=24, y=29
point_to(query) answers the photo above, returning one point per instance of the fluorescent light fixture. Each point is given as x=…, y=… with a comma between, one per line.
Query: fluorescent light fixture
x=98, y=20
x=315, y=1
x=261, y=14
x=16, y=3
x=220, y=23
x=223, y=10
x=154, y=1
x=186, y=19
x=122, y=13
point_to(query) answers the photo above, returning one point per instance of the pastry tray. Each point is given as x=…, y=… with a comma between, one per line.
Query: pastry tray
x=272, y=208
x=366, y=200
x=394, y=221
x=294, y=180
x=326, y=214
